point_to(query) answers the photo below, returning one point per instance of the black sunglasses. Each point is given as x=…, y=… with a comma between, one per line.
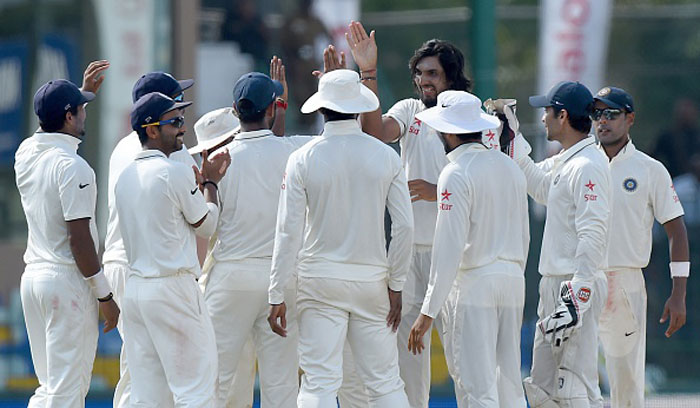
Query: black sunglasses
x=609, y=113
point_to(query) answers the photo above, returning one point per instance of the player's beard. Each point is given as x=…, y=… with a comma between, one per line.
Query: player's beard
x=429, y=102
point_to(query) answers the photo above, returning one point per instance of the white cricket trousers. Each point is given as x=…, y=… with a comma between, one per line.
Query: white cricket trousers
x=237, y=299
x=60, y=313
x=623, y=325
x=170, y=343
x=415, y=368
x=241, y=393
x=331, y=311
x=116, y=273
x=483, y=317
x=567, y=375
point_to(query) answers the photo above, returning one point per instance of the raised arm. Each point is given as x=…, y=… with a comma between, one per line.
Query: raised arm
x=364, y=52
x=277, y=73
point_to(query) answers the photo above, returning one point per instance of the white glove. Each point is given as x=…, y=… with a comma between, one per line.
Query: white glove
x=513, y=145
x=567, y=317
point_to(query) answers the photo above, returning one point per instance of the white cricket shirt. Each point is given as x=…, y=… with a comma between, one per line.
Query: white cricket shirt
x=482, y=218
x=423, y=157
x=122, y=155
x=55, y=185
x=157, y=200
x=330, y=218
x=575, y=186
x=249, y=194
x=642, y=191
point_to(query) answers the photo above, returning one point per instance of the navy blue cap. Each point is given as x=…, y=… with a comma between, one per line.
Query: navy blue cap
x=56, y=97
x=149, y=108
x=159, y=82
x=572, y=96
x=257, y=88
x=616, y=98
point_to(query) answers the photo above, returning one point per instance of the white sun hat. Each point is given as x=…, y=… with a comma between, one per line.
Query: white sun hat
x=213, y=128
x=341, y=91
x=458, y=112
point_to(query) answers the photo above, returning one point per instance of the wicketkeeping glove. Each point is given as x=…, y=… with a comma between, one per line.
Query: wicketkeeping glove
x=511, y=140
x=573, y=302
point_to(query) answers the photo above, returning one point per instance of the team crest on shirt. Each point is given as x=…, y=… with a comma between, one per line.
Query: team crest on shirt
x=630, y=184
x=415, y=127
x=584, y=294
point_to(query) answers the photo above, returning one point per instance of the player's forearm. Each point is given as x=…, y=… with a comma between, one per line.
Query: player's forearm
x=284, y=259
x=677, y=240
x=679, y=288
x=372, y=121
x=278, y=126
x=82, y=247
x=537, y=179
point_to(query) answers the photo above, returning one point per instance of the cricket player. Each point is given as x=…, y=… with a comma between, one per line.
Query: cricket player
x=170, y=342
x=478, y=258
x=575, y=186
x=642, y=191
x=237, y=287
x=330, y=229
x=436, y=66
x=63, y=281
x=114, y=257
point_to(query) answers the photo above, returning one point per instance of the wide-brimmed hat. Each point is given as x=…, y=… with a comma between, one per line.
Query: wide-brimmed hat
x=458, y=112
x=341, y=91
x=213, y=128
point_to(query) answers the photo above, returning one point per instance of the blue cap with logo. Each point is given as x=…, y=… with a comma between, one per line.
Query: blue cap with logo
x=159, y=82
x=258, y=89
x=572, y=96
x=57, y=97
x=151, y=107
x=616, y=98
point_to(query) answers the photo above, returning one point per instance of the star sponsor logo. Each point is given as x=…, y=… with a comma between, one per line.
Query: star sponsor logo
x=490, y=135
x=674, y=195
x=415, y=127
x=630, y=184
x=590, y=196
x=445, y=196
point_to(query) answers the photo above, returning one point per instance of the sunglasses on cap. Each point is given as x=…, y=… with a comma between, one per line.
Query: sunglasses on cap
x=177, y=122
x=180, y=97
x=608, y=113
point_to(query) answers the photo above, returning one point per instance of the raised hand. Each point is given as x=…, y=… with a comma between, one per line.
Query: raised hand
x=92, y=77
x=362, y=46
x=331, y=61
x=277, y=73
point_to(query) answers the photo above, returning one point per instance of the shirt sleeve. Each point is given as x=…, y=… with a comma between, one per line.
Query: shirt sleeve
x=186, y=194
x=450, y=239
x=77, y=190
x=399, y=205
x=539, y=177
x=291, y=213
x=664, y=200
x=404, y=112
x=184, y=157
x=590, y=189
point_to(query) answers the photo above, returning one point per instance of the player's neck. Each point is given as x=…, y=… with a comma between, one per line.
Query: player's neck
x=612, y=150
x=571, y=137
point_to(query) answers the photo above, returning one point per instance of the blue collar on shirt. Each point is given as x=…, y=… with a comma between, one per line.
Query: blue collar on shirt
x=149, y=153
x=255, y=134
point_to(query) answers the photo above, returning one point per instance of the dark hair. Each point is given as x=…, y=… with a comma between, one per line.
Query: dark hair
x=143, y=136
x=451, y=59
x=247, y=112
x=55, y=124
x=579, y=123
x=470, y=137
x=332, y=115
